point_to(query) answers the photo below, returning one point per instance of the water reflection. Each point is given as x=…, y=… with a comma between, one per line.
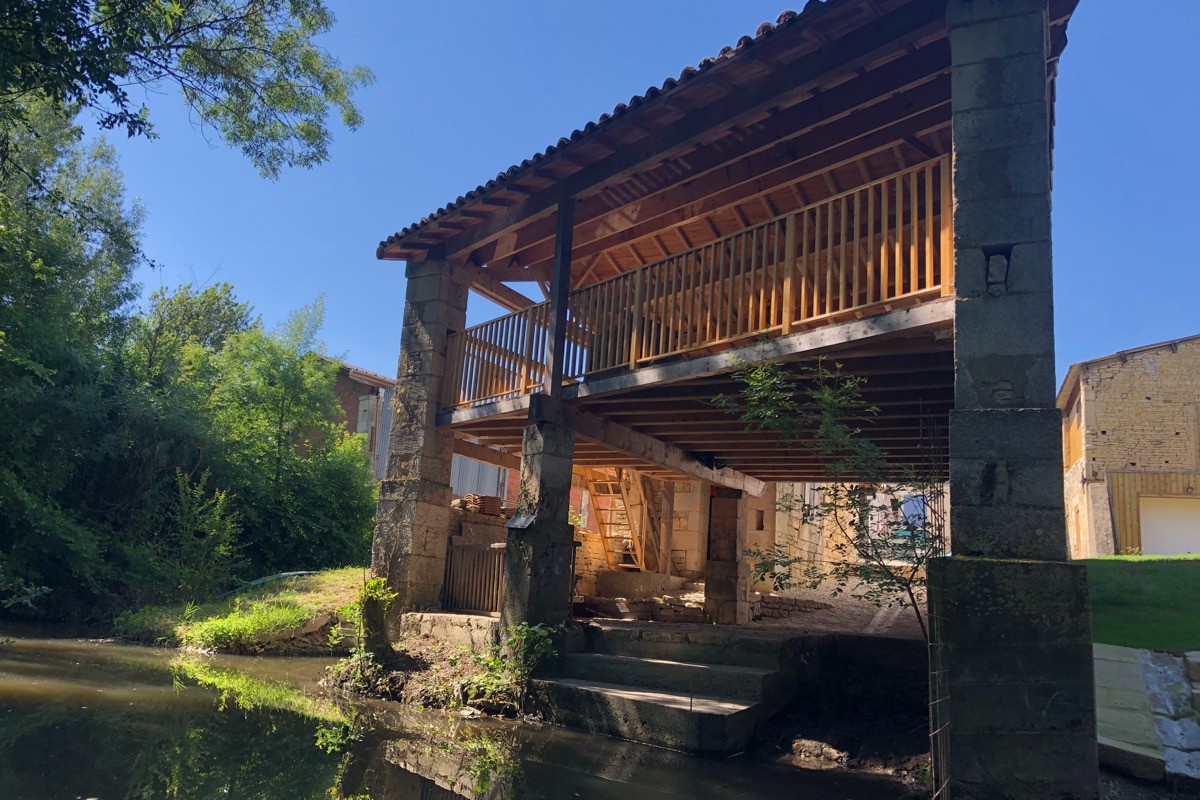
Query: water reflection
x=102, y=720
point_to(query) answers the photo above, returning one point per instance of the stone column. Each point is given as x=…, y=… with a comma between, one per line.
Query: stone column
x=541, y=540
x=727, y=571
x=1012, y=634
x=412, y=523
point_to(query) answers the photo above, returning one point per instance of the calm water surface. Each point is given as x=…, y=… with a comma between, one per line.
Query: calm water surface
x=82, y=719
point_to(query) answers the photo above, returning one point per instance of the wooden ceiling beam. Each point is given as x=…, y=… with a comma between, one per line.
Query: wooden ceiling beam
x=765, y=172
x=787, y=129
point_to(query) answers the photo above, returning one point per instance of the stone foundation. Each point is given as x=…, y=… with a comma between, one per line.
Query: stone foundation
x=474, y=632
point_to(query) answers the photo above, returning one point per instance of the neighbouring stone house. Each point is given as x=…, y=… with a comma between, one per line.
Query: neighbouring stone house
x=1131, y=451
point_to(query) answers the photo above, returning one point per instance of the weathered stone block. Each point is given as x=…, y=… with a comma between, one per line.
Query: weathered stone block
x=986, y=602
x=1009, y=532
x=1001, y=37
x=1002, y=128
x=1005, y=172
x=1000, y=482
x=1014, y=434
x=1002, y=221
x=998, y=83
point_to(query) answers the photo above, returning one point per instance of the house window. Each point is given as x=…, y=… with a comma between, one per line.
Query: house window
x=364, y=407
x=760, y=520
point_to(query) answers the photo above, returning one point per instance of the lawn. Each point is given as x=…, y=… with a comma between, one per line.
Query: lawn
x=1150, y=602
x=254, y=614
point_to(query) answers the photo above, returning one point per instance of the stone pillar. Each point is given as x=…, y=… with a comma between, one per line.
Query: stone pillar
x=1011, y=624
x=541, y=540
x=412, y=523
x=727, y=571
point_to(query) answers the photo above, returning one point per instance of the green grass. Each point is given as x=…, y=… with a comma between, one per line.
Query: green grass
x=252, y=615
x=1147, y=602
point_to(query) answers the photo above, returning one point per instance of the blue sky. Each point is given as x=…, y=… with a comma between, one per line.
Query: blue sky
x=464, y=89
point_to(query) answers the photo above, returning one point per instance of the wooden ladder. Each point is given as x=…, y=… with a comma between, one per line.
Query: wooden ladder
x=622, y=549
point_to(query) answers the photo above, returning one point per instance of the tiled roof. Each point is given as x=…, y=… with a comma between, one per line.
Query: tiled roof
x=785, y=20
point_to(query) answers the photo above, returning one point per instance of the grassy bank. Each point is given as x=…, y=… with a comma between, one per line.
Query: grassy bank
x=1146, y=601
x=247, y=618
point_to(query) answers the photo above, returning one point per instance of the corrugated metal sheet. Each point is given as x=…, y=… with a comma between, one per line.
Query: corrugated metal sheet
x=1170, y=525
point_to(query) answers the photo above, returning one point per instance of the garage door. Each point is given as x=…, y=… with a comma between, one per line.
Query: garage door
x=1170, y=525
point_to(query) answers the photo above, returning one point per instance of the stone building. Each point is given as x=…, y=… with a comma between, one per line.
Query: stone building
x=1131, y=451
x=867, y=180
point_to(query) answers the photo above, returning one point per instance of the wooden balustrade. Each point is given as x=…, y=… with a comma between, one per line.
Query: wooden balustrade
x=474, y=577
x=852, y=254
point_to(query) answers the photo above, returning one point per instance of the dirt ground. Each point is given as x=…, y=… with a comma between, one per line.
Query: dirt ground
x=848, y=615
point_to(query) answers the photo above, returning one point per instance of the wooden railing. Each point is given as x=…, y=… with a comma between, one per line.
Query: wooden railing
x=855, y=253
x=474, y=577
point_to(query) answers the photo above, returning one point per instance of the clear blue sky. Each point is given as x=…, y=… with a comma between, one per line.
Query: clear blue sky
x=464, y=89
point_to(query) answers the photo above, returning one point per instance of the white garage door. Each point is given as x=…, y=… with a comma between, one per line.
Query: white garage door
x=1170, y=525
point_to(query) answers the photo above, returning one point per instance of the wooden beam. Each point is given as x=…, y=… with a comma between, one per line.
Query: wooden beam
x=857, y=48
x=487, y=455
x=560, y=289
x=497, y=292
x=806, y=344
x=640, y=446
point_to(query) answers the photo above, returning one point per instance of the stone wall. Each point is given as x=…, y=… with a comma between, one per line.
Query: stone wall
x=589, y=560
x=1140, y=412
x=689, y=534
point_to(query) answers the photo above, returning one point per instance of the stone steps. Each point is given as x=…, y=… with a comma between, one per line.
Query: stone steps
x=699, y=724
x=699, y=644
x=745, y=684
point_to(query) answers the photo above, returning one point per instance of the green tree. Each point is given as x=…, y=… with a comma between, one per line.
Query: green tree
x=251, y=69
x=65, y=289
x=303, y=486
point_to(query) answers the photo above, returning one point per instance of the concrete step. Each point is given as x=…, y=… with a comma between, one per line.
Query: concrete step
x=696, y=644
x=746, y=684
x=704, y=725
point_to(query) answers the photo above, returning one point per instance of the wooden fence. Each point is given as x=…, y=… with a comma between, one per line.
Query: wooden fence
x=852, y=254
x=474, y=577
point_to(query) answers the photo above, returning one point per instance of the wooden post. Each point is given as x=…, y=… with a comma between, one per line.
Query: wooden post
x=560, y=288
x=635, y=338
x=789, y=271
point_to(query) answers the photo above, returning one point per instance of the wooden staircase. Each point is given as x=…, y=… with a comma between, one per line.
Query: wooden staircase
x=622, y=503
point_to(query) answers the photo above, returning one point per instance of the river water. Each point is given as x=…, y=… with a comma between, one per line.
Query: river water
x=96, y=719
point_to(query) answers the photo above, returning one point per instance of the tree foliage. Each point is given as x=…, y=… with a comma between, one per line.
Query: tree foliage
x=250, y=69
x=884, y=518
x=158, y=453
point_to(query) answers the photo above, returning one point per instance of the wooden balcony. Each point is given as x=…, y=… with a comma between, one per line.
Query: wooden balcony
x=879, y=246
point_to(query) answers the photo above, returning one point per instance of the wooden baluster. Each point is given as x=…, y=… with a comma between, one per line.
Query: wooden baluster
x=788, y=317
x=885, y=253
x=829, y=209
x=855, y=300
x=900, y=271
x=685, y=279
x=803, y=264
x=928, y=238
x=870, y=245
x=914, y=246
x=947, y=230
x=842, y=233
